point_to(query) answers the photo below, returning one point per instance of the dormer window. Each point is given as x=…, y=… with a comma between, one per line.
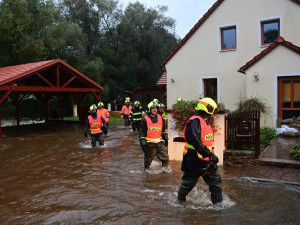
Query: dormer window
x=270, y=31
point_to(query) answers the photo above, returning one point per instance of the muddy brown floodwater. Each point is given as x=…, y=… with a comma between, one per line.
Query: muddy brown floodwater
x=49, y=174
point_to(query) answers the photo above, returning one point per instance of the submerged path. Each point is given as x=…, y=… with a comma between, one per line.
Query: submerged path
x=49, y=174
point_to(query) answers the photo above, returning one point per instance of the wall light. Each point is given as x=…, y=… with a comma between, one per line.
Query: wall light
x=256, y=76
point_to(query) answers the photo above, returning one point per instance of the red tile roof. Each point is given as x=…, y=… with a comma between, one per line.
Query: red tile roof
x=162, y=80
x=192, y=31
x=279, y=41
x=11, y=73
x=195, y=28
x=14, y=73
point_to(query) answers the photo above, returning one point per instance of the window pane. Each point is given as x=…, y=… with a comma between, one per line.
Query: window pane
x=271, y=32
x=297, y=94
x=210, y=86
x=229, y=38
x=286, y=94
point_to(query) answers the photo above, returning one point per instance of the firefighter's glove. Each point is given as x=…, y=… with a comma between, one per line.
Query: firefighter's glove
x=143, y=144
x=104, y=129
x=144, y=147
x=85, y=134
x=166, y=143
x=213, y=158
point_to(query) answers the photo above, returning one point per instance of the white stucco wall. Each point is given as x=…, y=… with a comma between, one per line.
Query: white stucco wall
x=200, y=58
x=282, y=62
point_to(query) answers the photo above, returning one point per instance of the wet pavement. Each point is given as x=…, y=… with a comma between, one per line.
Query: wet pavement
x=274, y=163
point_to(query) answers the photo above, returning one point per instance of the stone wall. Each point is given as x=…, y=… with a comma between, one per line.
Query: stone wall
x=238, y=158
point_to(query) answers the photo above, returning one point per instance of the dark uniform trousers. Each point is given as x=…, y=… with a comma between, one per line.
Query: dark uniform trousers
x=97, y=138
x=211, y=177
x=156, y=149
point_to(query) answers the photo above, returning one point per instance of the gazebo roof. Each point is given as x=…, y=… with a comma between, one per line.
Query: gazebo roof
x=54, y=76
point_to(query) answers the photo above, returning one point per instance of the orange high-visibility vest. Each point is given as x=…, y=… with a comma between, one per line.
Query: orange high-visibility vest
x=95, y=124
x=207, y=137
x=126, y=110
x=104, y=113
x=154, y=129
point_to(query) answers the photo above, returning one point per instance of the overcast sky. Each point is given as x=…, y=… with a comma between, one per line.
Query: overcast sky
x=185, y=12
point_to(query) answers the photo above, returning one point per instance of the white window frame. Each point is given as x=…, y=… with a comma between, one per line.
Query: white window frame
x=219, y=41
x=259, y=34
x=218, y=86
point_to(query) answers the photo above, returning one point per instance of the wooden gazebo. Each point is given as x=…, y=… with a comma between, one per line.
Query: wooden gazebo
x=46, y=78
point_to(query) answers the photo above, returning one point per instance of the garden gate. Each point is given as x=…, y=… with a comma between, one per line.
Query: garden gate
x=242, y=131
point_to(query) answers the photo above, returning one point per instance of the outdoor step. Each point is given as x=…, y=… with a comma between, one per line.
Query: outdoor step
x=279, y=163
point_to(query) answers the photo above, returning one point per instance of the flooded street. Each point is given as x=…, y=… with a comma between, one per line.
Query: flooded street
x=49, y=174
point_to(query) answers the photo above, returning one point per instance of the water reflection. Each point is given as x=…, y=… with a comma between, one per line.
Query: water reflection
x=49, y=174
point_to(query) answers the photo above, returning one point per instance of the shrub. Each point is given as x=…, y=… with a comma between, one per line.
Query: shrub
x=254, y=103
x=295, y=153
x=267, y=134
x=182, y=110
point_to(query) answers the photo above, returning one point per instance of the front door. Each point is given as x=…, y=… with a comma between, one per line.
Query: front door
x=288, y=97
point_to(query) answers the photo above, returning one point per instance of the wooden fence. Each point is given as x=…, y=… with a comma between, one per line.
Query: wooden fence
x=242, y=131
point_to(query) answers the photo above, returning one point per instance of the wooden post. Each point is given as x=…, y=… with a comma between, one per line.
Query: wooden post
x=46, y=100
x=17, y=110
x=0, y=124
x=61, y=107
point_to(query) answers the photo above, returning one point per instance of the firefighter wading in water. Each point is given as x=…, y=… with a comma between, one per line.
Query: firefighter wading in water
x=105, y=114
x=198, y=156
x=153, y=137
x=95, y=125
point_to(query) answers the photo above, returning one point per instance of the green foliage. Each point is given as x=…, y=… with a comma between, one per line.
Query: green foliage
x=119, y=49
x=267, y=134
x=295, y=153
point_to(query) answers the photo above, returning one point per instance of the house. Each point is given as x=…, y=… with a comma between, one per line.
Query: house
x=238, y=49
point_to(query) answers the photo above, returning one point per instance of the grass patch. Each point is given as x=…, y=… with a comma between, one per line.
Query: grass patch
x=72, y=118
x=113, y=119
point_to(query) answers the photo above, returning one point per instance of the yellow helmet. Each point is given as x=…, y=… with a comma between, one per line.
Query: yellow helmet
x=206, y=104
x=93, y=107
x=156, y=101
x=136, y=103
x=161, y=105
x=100, y=104
x=151, y=105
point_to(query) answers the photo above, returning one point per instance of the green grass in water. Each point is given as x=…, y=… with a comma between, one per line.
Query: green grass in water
x=113, y=120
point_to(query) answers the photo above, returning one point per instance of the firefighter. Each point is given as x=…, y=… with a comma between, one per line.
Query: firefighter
x=164, y=116
x=125, y=112
x=152, y=137
x=105, y=114
x=198, y=155
x=136, y=116
x=95, y=124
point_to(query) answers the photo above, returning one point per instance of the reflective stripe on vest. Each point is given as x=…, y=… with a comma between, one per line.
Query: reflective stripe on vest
x=95, y=124
x=136, y=116
x=154, y=129
x=207, y=137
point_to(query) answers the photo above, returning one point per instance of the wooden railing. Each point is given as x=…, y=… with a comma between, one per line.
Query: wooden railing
x=242, y=131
